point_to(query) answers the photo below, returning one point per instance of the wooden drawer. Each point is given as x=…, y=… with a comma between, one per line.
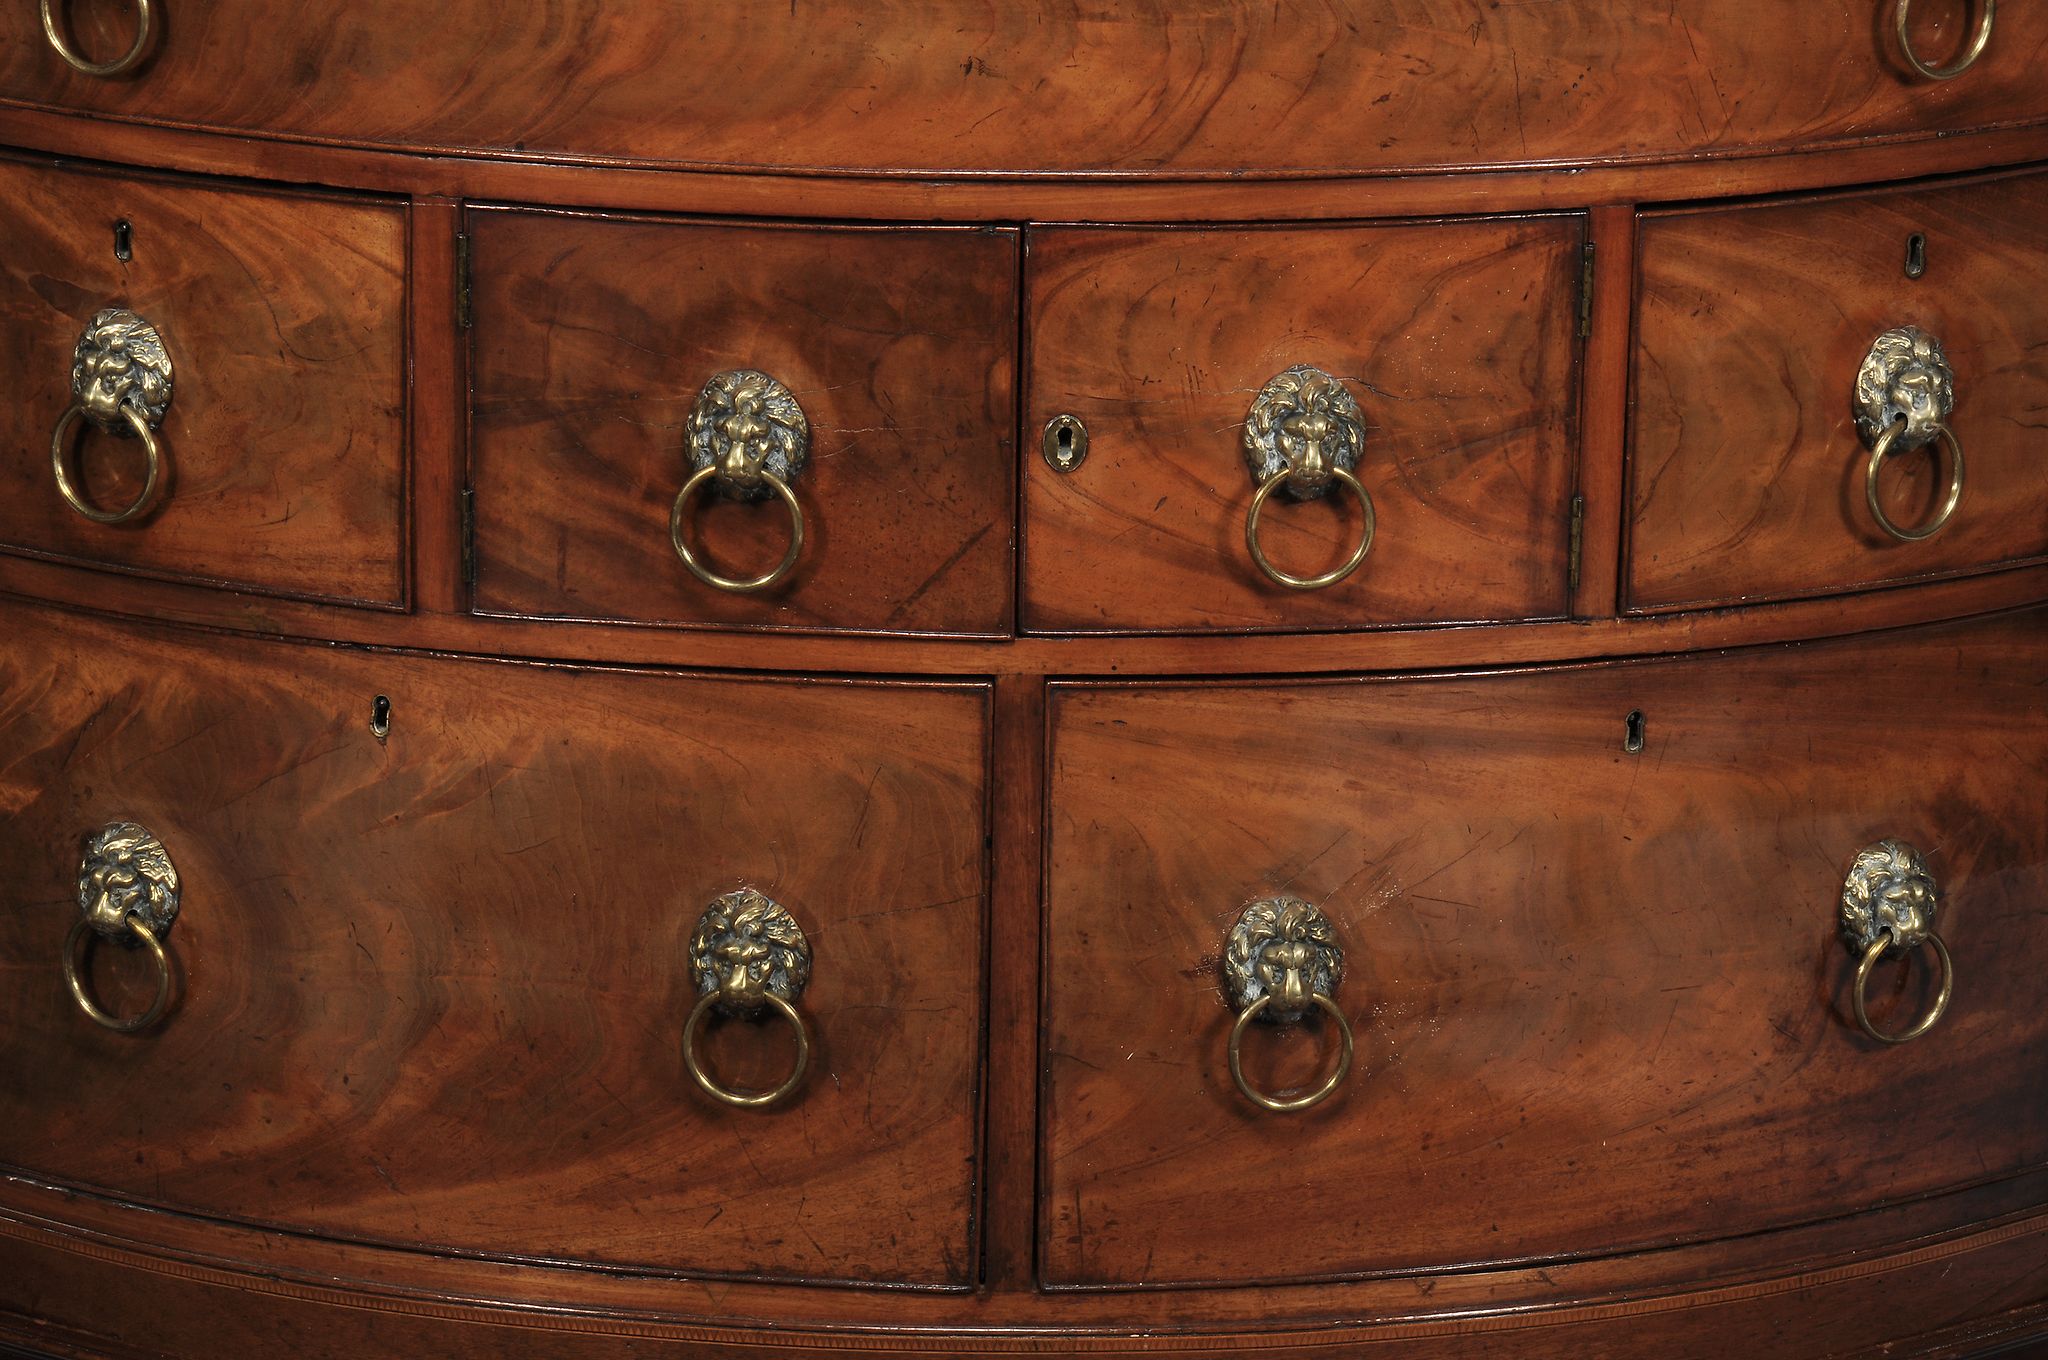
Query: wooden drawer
x=1747, y=471
x=1601, y=999
x=431, y=988
x=1455, y=340
x=283, y=444
x=594, y=338
x=1188, y=86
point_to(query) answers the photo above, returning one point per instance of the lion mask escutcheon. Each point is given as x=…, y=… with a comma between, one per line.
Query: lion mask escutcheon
x=1284, y=948
x=127, y=872
x=746, y=945
x=1889, y=891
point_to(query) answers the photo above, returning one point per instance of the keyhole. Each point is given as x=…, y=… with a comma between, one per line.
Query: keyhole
x=380, y=717
x=1916, y=255
x=1065, y=443
x=1632, y=742
x=124, y=241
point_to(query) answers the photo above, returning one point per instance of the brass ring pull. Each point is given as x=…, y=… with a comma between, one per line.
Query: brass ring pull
x=120, y=383
x=1315, y=1097
x=748, y=956
x=1871, y=955
x=99, y=68
x=745, y=1100
x=1889, y=902
x=1304, y=432
x=1282, y=960
x=748, y=439
x=1962, y=63
x=151, y=453
x=74, y=963
x=127, y=890
x=1330, y=577
x=1905, y=392
x=702, y=570
x=1886, y=444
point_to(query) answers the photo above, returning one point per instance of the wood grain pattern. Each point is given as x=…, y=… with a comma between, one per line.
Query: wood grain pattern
x=1210, y=87
x=285, y=319
x=1457, y=341
x=1601, y=999
x=593, y=338
x=1747, y=474
x=432, y=988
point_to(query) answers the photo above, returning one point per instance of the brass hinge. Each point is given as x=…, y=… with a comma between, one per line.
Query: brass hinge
x=462, y=316
x=1578, y=542
x=1586, y=290
x=469, y=536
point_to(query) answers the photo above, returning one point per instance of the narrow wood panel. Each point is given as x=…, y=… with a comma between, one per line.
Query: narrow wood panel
x=592, y=341
x=1188, y=86
x=284, y=445
x=1601, y=999
x=432, y=987
x=1457, y=340
x=1747, y=473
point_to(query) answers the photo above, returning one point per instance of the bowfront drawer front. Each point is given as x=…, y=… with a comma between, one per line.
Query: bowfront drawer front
x=208, y=384
x=1560, y=998
x=1179, y=85
x=456, y=986
x=1329, y=428
x=1864, y=409
x=751, y=426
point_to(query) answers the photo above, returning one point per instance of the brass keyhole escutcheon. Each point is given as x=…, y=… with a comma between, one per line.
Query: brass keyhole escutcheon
x=1064, y=443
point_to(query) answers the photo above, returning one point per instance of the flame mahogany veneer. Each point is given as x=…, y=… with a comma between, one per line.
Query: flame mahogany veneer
x=1574, y=765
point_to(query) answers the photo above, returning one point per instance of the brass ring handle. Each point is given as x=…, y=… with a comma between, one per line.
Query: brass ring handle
x=1335, y=574
x=120, y=383
x=1926, y=1022
x=1886, y=444
x=745, y=1100
x=702, y=570
x=1315, y=1097
x=1280, y=961
x=127, y=890
x=747, y=438
x=1962, y=63
x=1889, y=902
x=99, y=68
x=1304, y=432
x=73, y=961
x=140, y=424
x=748, y=956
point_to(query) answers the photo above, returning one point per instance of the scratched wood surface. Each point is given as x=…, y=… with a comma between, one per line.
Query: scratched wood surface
x=432, y=988
x=1747, y=473
x=284, y=445
x=1456, y=339
x=1600, y=999
x=593, y=339
x=1201, y=86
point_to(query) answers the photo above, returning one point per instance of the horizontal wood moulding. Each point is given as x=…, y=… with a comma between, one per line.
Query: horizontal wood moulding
x=1183, y=87
x=1159, y=197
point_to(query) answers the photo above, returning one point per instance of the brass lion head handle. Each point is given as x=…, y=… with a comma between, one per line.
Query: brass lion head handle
x=1987, y=16
x=127, y=891
x=1889, y=901
x=1905, y=391
x=1304, y=433
x=1282, y=960
x=749, y=958
x=120, y=383
x=55, y=37
x=748, y=441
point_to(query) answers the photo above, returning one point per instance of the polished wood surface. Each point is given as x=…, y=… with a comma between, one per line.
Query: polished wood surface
x=1746, y=471
x=1456, y=339
x=285, y=440
x=432, y=987
x=1205, y=87
x=592, y=341
x=1601, y=998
